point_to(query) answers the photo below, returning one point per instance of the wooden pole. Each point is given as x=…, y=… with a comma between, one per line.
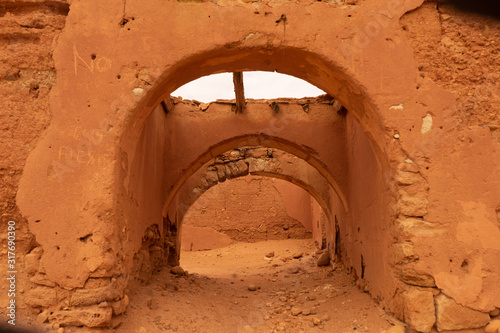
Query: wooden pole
x=239, y=91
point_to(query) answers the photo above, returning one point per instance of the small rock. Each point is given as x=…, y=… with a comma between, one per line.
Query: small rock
x=252, y=287
x=495, y=312
x=60, y=330
x=294, y=270
x=324, y=259
x=296, y=311
x=283, y=298
x=306, y=312
x=138, y=91
x=445, y=17
x=325, y=318
x=316, y=321
x=270, y=254
x=204, y=106
x=247, y=329
x=493, y=326
x=177, y=270
x=396, y=329
x=297, y=255
x=42, y=317
x=103, y=304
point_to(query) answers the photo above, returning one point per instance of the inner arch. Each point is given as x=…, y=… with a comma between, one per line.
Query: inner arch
x=255, y=140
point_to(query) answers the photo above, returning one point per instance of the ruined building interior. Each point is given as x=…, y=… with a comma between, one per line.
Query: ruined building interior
x=374, y=207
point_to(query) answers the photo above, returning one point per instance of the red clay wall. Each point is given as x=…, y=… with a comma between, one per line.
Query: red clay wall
x=249, y=209
x=28, y=35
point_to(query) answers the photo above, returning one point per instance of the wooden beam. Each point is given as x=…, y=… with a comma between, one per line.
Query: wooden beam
x=167, y=104
x=239, y=91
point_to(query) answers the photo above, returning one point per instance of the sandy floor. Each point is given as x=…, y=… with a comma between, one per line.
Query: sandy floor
x=215, y=295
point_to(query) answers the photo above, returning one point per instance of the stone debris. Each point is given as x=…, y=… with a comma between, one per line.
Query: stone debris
x=252, y=287
x=324, y=259
x=297, y=255
x=295, y=311
x=294, y=270
x=177, y=270
x=270, y=254
x=495, y=313
x=41, y=297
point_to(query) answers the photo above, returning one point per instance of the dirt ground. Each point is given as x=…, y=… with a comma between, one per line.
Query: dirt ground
x=215, y=295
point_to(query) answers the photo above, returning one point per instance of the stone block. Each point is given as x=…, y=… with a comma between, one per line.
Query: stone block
x=412, y=204
x=229, y=171
x=91, y=316
x=221, y=172
x=120, y=306
x=453, y=316
x=41, y=279
x=256, y=165
x=419, y=310
x=403, y=253
x=493, y=326
x=256, y=153
x=41, y=297
x=410, y=276
x=413, y=227
x=234, y=155
x=242, y=168
x=409, y=178
x=212, y=178
x=95, y=296
x=32, y=260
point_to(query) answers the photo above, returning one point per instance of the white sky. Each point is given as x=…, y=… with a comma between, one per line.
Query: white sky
x=265, y=85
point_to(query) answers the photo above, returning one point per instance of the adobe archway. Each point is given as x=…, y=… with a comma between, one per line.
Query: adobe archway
x=105, y=97
x=261, y=161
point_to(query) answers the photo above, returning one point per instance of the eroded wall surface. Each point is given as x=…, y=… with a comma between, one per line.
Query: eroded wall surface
x=28, y=36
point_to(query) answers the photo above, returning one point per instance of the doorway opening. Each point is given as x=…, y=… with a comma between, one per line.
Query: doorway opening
x=329, y=155
x=257, y=85
x=250, y=212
